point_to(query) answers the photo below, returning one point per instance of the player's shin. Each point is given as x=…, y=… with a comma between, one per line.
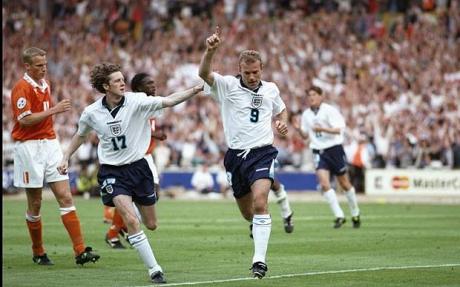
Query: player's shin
x=142, y=245
x=283, y=202
x=262, y=225
x=72, y=224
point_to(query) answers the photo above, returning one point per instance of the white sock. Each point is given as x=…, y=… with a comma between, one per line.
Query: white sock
x=283, y=202
x=261, y=227
x=142, y=245
x=352, y=202
x=65, y=210
x=331, y=198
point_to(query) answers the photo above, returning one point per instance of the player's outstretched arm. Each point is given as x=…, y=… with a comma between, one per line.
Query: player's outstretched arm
x=212, y=43
x=76, y=142
x=179, y=97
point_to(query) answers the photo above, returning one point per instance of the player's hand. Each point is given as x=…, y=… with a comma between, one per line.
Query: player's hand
x=318, y=129
x=159, y=135
x=63, y=167
x=213, y=42
x=62, y=106
x=281, y=127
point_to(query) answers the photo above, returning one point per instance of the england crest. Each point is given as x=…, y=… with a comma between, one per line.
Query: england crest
x=256, y=100
x=115, y=129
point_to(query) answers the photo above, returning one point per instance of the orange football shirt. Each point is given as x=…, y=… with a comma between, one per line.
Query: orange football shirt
x=26, y=99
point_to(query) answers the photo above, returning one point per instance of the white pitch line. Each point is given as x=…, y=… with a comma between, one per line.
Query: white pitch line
x=309, y=274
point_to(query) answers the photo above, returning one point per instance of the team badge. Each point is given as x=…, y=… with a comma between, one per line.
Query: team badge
x=21, y=103
x=256, y=100
x=109, y=189
x=115, y=129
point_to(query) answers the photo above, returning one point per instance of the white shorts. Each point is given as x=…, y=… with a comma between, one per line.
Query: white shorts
x=36, y=161
x=153, y=168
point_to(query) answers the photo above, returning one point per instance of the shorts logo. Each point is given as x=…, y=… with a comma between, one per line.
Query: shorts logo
x=229, y=178
x=109, y=189
x=256, y=100
x=21, y=103
x=107, y=185
x=115, y=129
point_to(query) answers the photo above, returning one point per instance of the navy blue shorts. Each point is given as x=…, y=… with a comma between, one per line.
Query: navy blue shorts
x=332, y=159
x=244, y=168
x=134, y=179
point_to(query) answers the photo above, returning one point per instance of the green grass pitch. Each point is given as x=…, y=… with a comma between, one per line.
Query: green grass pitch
x=208, y=241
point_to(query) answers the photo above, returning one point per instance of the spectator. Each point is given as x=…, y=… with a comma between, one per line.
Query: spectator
x=202, y=180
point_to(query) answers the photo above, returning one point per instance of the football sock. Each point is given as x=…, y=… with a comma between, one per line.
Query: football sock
x=108, y=213
x=142, y=245
x=352, y=202
x=34, y=224
x=331, y=198
x=72, y=224
x=261, y=227
x=283, y=202
x=117, y=225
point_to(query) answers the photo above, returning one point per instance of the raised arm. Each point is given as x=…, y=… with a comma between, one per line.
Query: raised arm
x=212, y=43
x=179, y=97
x=36, y=118
x=76, y=142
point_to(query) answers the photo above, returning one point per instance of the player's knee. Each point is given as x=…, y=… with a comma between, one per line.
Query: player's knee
x=151, y=224
x=324, y=187
x=65, y=201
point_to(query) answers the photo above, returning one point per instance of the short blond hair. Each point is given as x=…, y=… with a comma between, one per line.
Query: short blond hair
x=31, y=52
x=250, y=56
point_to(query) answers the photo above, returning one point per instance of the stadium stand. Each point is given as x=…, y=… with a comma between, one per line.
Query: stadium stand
x=391, y=66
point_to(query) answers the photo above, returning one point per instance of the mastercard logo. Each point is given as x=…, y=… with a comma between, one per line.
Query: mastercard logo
x=400, y=182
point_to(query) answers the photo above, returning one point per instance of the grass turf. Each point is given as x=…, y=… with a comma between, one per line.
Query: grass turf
x=200, y=241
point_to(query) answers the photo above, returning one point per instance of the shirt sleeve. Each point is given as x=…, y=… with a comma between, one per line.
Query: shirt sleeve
x=278, y=104
x=336, y=119
x=84, y=124
x=220, y=87
x=149, y=106
x=20, y=103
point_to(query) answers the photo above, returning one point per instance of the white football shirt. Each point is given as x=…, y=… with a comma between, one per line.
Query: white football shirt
x=123, y=139
x=246, y=115
x=326, y=116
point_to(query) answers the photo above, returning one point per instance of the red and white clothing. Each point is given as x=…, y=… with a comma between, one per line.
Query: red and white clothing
x=37, y=152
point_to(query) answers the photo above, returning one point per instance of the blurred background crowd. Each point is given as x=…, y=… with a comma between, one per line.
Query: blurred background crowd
x=391, y=67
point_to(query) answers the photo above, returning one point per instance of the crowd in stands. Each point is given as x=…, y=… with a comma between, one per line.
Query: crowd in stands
x=391, y=67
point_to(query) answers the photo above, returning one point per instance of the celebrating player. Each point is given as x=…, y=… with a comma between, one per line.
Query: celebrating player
x=248, y=106
x=121, y=121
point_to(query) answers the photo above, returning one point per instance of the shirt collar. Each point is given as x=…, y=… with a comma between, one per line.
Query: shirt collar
x=104, y=103
x=246, y=87
x=42, y=86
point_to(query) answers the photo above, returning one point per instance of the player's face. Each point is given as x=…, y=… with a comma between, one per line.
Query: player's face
x=314, y=99
x=36, y=69
x=148, y=86
x=251, y=74
x=116, y=84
